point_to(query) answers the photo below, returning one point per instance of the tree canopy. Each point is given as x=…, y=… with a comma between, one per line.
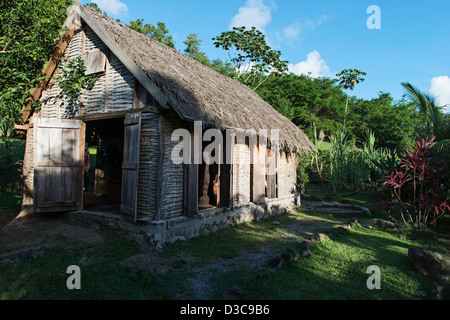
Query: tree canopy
x=159, y=32
x=29, y=30
x=252, y=57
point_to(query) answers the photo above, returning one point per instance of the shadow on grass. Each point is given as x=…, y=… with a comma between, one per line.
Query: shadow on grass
x=337, y=271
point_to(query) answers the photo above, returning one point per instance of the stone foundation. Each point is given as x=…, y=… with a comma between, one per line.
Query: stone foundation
x=183, y=228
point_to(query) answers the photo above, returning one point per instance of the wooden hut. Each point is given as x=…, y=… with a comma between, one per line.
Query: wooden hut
x=125, y=123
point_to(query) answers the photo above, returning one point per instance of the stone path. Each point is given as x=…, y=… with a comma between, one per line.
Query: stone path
x=258, y=262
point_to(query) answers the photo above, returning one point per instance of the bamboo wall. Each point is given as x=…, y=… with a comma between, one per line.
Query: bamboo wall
x=113, y=91
x=148, y=165
x=287, y=174
x=173, y=182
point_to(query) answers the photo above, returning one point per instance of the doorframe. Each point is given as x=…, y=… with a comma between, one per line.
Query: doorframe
x=93, y=118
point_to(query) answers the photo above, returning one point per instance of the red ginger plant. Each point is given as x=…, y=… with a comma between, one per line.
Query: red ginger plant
x=420, y=185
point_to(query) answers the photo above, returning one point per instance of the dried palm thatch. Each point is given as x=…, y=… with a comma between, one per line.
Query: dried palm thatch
x=199, y=93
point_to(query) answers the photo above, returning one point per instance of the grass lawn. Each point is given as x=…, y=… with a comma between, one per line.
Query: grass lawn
x=335, y=271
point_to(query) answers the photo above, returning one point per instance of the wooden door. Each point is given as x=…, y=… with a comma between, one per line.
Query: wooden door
x=130, y=166
x=58, y=164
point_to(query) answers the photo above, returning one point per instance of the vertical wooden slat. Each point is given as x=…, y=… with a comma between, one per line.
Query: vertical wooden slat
x=80, y=171
x=56, y=169
x=107, y=80
x=130, y=165
x=272, y=192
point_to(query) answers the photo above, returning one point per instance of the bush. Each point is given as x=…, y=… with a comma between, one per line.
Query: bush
x=419, y=186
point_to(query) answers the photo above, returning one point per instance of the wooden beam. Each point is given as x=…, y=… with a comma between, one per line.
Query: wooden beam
x=81, y=165
x=116, y=114
x=129, y=63
x=24, y=127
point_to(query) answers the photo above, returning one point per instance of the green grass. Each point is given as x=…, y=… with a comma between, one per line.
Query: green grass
x=337, y=271
x=104, y=278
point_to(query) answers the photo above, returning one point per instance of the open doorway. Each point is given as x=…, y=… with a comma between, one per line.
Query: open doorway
x=214, y=181
x=103, y=165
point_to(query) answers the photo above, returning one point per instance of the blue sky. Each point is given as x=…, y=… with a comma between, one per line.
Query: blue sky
x=323, y=36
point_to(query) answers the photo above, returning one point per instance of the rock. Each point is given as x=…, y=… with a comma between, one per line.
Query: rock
x=289, y=255
x=275, y=263
x=233, y=293
x=423, y=262
x=341, y=229
x=353, y=222
x=306, y=251
x=384, y=224
x=331, y=233
x=318, y=238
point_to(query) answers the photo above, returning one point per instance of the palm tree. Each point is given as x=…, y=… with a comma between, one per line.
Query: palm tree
x=436, y=124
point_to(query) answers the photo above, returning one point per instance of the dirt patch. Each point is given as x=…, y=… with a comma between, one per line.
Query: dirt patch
x=21, y=231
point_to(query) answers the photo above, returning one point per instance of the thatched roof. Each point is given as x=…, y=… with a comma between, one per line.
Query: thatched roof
x=197, y=92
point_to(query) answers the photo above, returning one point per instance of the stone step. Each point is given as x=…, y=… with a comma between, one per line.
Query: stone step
x=335, y=209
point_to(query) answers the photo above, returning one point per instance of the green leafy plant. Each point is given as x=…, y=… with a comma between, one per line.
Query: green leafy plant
x=73, y=78
x=29, y=31
x=420, y=185
x=248, y=49
x=348, y=78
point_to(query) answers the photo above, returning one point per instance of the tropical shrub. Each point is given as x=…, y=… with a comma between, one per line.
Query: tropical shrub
x=419, y=186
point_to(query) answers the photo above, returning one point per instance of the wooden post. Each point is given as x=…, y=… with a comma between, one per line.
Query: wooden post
x=192, y=180
x=159, y=189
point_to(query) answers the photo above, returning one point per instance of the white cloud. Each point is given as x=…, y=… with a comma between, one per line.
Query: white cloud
x=292, y=31
x=314, y=66
x=440, y=88
x=255, y=13
x=112, y=7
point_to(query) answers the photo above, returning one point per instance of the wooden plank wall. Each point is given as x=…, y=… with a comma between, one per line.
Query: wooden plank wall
x=54, y=105
x=113, y=91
